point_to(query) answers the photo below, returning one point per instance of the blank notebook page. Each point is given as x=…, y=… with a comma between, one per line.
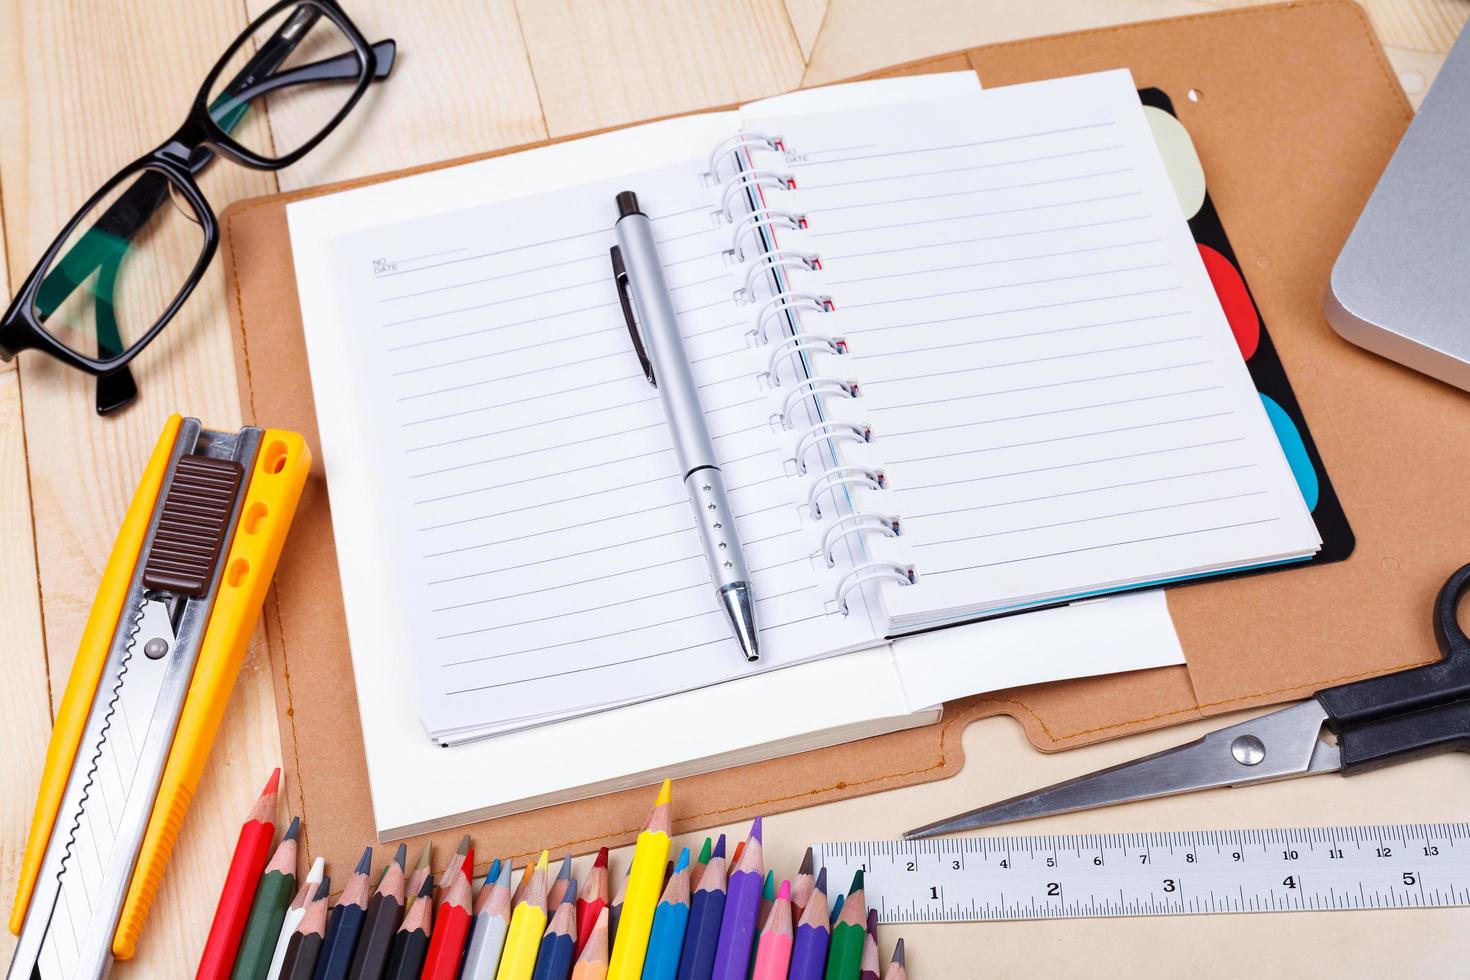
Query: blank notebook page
x=1055, y=395
x=542, y=541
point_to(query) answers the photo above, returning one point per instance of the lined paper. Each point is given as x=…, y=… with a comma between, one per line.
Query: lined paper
x=1058, y=405
x=543, y=540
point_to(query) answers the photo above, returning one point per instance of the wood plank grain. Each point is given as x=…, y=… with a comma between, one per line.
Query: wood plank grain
x=461, y=84
x=25, y=709
x=603, y=62
x=806, y=21
x=83, y=89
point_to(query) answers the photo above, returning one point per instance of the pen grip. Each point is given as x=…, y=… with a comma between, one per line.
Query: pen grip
x=86, y=671
x=275, y=487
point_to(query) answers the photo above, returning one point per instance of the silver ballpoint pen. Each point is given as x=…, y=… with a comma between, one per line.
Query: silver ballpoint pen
x=660, y=346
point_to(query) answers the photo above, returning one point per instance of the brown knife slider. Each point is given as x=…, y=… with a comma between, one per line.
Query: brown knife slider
x=193, y=524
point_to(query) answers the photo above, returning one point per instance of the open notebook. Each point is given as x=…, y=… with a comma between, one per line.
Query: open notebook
x=958, y=354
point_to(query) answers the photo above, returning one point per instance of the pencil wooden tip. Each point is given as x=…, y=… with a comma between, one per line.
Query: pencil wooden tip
x=400, y=857
x=543, y=861
x=293, y=832
x=273, y=784
x=364, y=863
x=683, y=861
x=601, y=861
x=719, y=850
x=783, y=894
x=873, y=922
x=822, y=880
x=425, y=856
x=665, y=793
x=807, y=863
x=464, y=846
x=898, y=953
x=565, y=873
x=756, y=830
x=857, y=881
x=323, y=890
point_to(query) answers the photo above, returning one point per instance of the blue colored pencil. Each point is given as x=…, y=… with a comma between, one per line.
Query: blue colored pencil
x=836, y=910
x=559, y=945
x=706, y=912
x=742, y=906
x=670, y=922
x=344, y=925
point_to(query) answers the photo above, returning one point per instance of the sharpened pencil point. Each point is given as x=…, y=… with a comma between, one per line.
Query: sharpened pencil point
x=665, y=793
x=783, y=894
x=293, y=832
x=601, y=861
x=324, y=889
x=364, y=863
x=756, y=830
x=400, y=857
x=822, y=880
x=857, y=881
x=565, y=873
x=719, y=851
x=273, y=784
x=683, y=861
x=542, y=861
x=464, y=846
x=807, y=863
x=898, y=953
x=425, y=856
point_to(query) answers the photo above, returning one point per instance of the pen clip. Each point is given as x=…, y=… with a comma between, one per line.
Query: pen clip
x=620, y=277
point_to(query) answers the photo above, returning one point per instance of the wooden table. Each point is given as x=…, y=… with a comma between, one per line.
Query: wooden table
x=86, y=86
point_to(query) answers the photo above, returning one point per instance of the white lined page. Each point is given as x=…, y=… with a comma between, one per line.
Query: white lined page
x=541, y=537
x=1057, y=401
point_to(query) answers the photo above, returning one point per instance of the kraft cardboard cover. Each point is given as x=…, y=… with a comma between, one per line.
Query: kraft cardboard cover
x=1295, y=114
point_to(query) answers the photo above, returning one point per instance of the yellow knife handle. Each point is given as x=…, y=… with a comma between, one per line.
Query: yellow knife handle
x=86, y=670
x=276, y=483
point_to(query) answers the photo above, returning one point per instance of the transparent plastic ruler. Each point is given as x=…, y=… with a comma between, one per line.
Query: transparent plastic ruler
x=964, y=879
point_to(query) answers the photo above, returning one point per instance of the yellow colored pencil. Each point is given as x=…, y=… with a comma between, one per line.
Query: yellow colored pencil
x=527, y=923
x=645, y=883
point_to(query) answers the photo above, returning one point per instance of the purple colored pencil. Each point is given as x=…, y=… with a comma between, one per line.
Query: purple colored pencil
x=813, y=933
x=742, y=907
x=706, y=912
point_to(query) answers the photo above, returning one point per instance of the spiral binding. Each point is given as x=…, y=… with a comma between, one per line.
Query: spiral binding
x=791, y=345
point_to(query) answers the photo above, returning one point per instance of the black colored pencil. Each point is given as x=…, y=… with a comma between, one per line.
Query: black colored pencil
x=306, y=944
x=384, y=913
x=411, y=944
x=344, y=924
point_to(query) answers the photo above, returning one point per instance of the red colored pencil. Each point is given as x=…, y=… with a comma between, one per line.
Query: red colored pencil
x=592, y=900
x=251, y=851
x=451, y=928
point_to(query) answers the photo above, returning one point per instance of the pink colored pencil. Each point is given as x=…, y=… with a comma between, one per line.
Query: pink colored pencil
x=773, y=953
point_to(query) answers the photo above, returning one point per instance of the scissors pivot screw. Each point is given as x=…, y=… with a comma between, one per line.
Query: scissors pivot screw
x=1248, y=750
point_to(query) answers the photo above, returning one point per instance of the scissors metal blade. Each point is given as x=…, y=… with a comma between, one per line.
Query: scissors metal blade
x=1279, y=745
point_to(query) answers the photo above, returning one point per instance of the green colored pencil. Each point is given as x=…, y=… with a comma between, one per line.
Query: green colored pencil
x=845, y=955
x=268, y=911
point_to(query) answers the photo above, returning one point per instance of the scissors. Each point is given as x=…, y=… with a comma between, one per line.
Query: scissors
x=1350, y=728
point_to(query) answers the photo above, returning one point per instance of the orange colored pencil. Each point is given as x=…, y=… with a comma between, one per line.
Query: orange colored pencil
x=592, y=961
x=251, y=851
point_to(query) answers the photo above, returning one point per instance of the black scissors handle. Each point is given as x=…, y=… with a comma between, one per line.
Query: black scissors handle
x=1417, y=712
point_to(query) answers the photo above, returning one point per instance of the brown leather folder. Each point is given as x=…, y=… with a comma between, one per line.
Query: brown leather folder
x=1294, y=112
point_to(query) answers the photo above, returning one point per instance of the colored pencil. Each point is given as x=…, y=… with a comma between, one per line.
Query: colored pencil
x=559, y=885
x=802, y=885
x=870, y=966
x=295, y=912
x=645, y=883
x=592, y=961
x=592, y=900
x=706, y=912
x=735, y=858
x=268, y=911
x=411, y=944
x=469, y=861
x=519, y=895
x=742, y=905
x=773, y=951
x=475, y=904
x=306, y=943
x=451, y=927
x=527, y=923
x=454, y=868
x=344, y=923
x=696, y=870
x=558, y=951
x=615, y=910
x=813, y=933
x=384, y=914
x=837, y=909
x=487, y=934
x=670, y=921
x=845, y=954
x=421, y=872
x=252, y=848
x=768, y=898
x=897, y=969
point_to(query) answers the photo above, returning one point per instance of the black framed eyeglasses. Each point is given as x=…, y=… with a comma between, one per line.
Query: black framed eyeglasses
x=130, y=257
